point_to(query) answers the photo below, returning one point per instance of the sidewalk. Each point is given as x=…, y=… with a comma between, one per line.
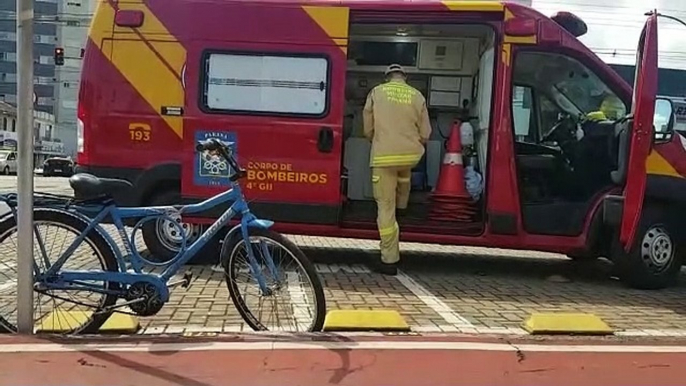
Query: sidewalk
x=440, y=289
x=446, y=289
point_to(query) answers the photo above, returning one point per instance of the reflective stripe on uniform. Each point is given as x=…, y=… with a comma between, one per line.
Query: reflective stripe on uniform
x=387, y=231
x=395, y=160
x=404, y=180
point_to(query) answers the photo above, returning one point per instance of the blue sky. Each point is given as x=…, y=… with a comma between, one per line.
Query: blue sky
x=614, y=27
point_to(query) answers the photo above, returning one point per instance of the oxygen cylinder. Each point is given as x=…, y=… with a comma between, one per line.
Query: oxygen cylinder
x=467, y=139
x=466, y=134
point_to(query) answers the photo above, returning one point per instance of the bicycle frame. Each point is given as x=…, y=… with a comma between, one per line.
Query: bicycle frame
x=69, y=279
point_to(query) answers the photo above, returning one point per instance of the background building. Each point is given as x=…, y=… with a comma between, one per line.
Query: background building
x=45, y=38
x=614, y=29
x=59, y=23
x=72, y=29
x=45, y=144
x=670, y=82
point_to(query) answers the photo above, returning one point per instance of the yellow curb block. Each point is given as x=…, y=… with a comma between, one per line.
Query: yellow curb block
x=566, y=323
x=59, y=321
x=365, y=320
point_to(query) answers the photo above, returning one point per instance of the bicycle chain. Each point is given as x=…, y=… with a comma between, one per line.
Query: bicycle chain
x=88, y=305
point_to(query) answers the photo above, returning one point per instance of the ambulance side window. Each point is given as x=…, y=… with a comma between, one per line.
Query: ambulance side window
x=258, y=83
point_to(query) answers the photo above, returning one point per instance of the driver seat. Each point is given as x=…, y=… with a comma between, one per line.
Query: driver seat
x=621, y=152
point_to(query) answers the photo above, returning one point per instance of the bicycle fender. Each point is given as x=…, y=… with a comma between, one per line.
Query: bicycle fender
x=6, y=215
x=259, y=223
x=254, y=223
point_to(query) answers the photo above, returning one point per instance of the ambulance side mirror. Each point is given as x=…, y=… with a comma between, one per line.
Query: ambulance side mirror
x=663, y=120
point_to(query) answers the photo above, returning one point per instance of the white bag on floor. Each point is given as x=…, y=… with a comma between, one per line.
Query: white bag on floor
x=473, y=182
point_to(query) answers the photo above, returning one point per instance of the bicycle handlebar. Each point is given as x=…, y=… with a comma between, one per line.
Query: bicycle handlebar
x=226, y=153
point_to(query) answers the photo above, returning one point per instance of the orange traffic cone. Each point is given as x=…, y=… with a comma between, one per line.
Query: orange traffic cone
x=451, y=201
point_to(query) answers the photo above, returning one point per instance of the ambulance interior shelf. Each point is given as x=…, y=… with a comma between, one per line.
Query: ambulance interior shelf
x=425, y=174
x=473, y=176
x=443, y=62
x=443, y=112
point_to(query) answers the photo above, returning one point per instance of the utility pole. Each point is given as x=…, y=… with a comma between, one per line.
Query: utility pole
x=25, y=168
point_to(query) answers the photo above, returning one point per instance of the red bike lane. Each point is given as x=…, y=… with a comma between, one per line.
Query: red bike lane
x=359, y=362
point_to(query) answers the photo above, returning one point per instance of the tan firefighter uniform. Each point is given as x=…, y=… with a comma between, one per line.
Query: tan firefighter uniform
x=397, y=122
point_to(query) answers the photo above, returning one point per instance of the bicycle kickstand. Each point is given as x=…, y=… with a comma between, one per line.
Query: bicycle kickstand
x=185, y=281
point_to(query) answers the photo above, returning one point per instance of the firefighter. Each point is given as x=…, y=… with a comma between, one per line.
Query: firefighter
x=396, y=121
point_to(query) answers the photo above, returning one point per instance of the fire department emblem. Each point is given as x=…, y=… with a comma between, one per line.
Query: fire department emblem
x=211, y=168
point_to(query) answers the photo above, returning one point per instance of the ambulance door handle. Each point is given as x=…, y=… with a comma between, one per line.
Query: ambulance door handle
x=325, y=140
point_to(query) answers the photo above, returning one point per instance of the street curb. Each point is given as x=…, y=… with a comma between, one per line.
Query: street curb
x=365, y=320
x=446, y=330
x=566, y=323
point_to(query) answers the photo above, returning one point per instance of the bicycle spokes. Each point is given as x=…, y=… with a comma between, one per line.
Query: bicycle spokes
x=290, y=302
x=55, y=310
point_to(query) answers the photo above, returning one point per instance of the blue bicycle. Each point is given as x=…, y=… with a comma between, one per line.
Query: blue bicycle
x=250, y=250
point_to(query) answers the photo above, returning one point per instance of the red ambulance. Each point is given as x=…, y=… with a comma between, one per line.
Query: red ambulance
x=286, y=81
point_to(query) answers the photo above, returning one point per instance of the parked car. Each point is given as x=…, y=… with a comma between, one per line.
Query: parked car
x=58, y=166
x=8, y=162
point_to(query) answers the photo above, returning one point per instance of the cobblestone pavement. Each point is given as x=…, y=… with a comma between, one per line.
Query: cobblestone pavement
x=440, y=288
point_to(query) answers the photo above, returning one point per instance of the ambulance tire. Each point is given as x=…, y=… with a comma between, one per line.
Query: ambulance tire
x=163, y=250
x=654, y=261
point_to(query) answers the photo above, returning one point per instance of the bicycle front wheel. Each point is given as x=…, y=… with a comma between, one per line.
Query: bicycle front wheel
x=67, y=311
x=294, y=298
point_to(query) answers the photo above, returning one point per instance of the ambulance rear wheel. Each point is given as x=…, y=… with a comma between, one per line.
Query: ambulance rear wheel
x=163, y=239
x=654, y=261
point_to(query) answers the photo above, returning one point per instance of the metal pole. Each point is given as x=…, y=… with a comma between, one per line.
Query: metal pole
x=25, y=168
x=672, y=18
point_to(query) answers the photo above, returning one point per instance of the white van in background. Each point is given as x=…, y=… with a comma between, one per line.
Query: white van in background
x=8, y=162
x=679, y=104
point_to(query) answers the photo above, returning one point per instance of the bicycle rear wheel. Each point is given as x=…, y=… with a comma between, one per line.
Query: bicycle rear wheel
x=308, y=304
x=58, y=311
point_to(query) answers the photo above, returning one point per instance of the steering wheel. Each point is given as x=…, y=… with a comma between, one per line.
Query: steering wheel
x=564, y=130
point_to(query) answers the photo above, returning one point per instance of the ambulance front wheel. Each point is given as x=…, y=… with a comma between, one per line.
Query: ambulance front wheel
x=163, y=239
x=654, y=261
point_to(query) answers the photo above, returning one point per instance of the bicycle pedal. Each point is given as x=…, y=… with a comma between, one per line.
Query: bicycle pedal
x=187, y=277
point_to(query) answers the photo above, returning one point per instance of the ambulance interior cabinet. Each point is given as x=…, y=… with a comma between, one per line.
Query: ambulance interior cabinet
x=434, y=156
x=359, y=173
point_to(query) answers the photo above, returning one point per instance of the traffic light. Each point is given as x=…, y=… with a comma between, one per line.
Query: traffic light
x=59, y=56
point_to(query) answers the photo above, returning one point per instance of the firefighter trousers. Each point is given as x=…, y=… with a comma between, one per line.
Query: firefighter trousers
x=391, y=191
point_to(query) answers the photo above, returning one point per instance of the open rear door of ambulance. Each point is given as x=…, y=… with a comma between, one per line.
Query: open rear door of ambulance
x=643, y=109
